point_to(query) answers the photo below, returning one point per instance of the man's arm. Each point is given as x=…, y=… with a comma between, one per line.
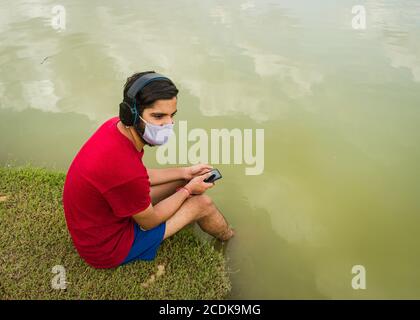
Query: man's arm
x=155, y=215
x=163, y=210
x=159, y=176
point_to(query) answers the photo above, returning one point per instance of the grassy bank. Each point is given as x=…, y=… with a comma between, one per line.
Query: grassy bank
x=34, y=239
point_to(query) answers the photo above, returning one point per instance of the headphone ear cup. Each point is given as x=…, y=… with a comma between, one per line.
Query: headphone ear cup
x=126, y=116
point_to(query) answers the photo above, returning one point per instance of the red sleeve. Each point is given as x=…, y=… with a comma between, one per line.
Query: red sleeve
x=130, y=197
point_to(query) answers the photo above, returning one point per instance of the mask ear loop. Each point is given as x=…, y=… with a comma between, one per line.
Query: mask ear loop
x=136, y=114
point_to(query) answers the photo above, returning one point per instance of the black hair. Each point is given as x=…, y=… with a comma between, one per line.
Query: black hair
x=155, y=90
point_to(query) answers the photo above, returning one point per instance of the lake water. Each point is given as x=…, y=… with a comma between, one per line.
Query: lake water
x=339, y=108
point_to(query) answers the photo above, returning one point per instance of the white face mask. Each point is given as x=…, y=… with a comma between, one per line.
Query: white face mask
x=157, y=135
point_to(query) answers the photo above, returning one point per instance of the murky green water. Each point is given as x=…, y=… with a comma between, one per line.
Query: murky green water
x=340, y=109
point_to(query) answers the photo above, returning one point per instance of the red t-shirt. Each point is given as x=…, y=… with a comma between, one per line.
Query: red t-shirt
x=105, y=185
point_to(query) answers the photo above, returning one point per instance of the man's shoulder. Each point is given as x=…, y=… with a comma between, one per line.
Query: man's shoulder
x=107, y=160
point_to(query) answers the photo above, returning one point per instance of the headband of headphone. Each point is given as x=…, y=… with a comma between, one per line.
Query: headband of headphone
x=128, y=111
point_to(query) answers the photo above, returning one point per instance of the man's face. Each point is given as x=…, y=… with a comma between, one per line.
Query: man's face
x=161, y=113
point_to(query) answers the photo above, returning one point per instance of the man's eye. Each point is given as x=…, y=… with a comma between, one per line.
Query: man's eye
x=158, y=116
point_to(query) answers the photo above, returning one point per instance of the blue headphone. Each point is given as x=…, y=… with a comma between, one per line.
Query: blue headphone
x=129, y=114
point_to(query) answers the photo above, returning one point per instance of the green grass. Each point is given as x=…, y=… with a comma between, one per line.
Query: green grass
x=34, y=238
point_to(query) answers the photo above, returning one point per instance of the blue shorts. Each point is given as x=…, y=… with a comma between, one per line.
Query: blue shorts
x=146, y=243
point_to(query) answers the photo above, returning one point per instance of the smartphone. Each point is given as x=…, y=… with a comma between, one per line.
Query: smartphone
x=215, y=175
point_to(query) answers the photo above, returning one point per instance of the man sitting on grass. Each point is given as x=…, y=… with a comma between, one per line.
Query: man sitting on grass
x=117, y=210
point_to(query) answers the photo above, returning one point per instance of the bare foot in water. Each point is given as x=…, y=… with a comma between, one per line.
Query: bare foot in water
x=226, y=235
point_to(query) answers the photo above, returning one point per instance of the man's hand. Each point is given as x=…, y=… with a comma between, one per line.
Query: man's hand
x=197, y=184
x=196, y=170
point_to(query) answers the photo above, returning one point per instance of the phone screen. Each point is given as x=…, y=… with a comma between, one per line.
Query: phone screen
x=215, y=175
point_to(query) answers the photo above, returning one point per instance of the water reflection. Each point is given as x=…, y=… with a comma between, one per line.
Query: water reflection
x=253, y=271
x=395, y=26
x=339, y=108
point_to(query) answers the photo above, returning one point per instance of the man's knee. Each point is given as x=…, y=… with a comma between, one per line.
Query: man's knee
x=204, y=205
x=204, y=200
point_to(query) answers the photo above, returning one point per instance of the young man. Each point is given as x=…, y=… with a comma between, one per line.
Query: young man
x=117, y=210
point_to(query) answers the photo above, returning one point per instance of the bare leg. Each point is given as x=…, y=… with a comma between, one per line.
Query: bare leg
x=215, y=224
x=199, y=208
